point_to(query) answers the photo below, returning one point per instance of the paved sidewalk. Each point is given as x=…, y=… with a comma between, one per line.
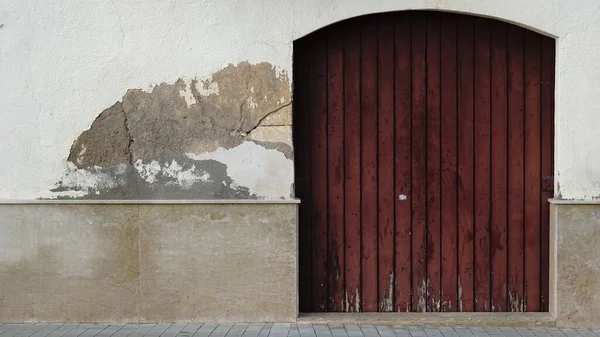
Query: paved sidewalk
x=277, y=330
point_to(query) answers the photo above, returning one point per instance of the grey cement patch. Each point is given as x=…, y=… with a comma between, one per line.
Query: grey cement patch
x=177, y=177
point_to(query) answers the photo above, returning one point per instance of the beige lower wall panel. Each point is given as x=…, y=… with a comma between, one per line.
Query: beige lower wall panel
x=66, y=263
x=578, y=265
x=218, y=263
x=130, y=263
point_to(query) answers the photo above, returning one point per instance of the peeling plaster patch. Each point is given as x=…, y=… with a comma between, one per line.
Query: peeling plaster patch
x=148, y=171
x=185, y=117
x=266, y=173
x=106, y=143
x=93, y=181
x=186, y=93
x=208, y=87
x=185, y=178
x=150, y=132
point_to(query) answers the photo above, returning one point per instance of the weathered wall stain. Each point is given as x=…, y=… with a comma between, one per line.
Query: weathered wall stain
x=139, y=147
x=176, y=177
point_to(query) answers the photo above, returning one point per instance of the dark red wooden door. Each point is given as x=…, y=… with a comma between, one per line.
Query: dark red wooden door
x=424, y=153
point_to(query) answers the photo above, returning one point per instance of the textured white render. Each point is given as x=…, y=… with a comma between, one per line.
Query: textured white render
x=62, y=62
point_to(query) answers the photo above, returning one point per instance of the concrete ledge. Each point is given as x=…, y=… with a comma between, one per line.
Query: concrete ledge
x=573, y=202
x=518, y=319
x=147, y=202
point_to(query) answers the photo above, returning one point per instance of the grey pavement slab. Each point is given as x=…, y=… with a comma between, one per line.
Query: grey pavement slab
x=279, y=330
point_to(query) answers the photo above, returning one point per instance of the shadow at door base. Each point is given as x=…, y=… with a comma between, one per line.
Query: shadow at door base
x=514, y=319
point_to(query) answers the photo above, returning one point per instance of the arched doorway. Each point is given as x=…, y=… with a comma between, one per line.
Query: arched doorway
x=423, y=158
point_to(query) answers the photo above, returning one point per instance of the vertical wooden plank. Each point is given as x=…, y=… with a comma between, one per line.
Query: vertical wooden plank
x=301, y=137
x=515, y=167
x=465, y=164
x=482, y=164
x=403, y=162
x=532, y=169
x=433, y=180
x=319, y=172
x=386, y=164
x=369, y=166
x=419, y=163
x=499, y=117
x=548, y=51
x=448, y=106
x=352, y=160
x=335, y=170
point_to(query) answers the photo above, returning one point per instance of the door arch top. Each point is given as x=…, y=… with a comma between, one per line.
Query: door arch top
x=539, y=17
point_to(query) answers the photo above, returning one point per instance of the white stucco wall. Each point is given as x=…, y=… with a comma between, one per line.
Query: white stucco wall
x=63, y=61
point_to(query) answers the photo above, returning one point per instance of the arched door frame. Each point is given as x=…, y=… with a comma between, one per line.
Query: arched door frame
x=299, y=128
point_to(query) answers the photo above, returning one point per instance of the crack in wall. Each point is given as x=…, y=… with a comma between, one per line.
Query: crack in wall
x=130, y=139
x=268, y=115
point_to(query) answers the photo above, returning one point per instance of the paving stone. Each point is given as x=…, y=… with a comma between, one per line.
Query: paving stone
x=586, y=333
x=264, y=332
x=352, y=328
x=75, y=332
x=525, y=332
x=189, y=330
x=126, y=330
x=354, y=333
x=48, y=329
x=142, y=330
x=111, y=330
x=174, y=330
x=556, y=333
x=92, y=331
x=433, y=332
x=253, y=330
x=306, y=330
x=294, y=332
x=62, y=330
x=205, y=330
x=12, y=329
x=418, y=333
x=238, y=329
x=26, y=331
x=221, y=330
x=414, y=328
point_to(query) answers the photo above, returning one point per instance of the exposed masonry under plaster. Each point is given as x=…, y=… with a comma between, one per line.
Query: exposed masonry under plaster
x=228, y=136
